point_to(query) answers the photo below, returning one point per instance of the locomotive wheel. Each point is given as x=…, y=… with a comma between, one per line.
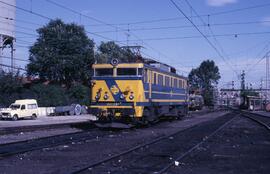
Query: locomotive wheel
x=181, y=112
x=149, y=115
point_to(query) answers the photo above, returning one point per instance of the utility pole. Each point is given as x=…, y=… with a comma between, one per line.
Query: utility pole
x=243, y=87
x=267, y=77
x=243, y=80
x=1, y=49
x=12, y=58
x=128, y=35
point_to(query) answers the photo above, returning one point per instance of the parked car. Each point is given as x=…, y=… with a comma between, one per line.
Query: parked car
x=21, y=109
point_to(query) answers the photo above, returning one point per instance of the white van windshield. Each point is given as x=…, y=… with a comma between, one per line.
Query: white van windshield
x=14, y=106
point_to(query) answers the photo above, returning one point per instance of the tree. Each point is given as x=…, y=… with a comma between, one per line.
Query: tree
x=49, y=95
x=79, y=94
x=10, y=87
x=204, y=78
x=109, y=50
x=62, y=53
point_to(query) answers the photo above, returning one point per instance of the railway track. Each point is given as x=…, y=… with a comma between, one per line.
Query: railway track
x=260, y=119
x=19, y=147
x=151, y=156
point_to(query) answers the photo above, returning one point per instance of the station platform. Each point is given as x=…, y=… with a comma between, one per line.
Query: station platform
x=47, y=120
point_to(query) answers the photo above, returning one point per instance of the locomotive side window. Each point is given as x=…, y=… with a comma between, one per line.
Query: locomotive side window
x=145, y=76
x=126, y=71
x=175, y=83
x=149, y=76
x=180, y=84
x=104, y=72
x=167, y=81
x=155, y=79
x=160, y=80
x=140, y=71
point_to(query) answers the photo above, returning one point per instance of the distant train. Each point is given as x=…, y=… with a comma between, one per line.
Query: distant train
x=196, y=102
x=138, y=92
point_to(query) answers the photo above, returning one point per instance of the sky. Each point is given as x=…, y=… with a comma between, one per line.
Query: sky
x=233, y=33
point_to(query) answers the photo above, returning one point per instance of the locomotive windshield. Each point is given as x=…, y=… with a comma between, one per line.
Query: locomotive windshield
x=129, y=71
x=104, y=72
x=119, y=72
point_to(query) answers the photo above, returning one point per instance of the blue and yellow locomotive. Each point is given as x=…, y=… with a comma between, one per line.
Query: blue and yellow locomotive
x=140, y=92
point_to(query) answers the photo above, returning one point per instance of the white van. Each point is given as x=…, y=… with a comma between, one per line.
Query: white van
x=21, y=109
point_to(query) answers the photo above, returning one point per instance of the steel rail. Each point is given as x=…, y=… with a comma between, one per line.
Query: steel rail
x=248, y=115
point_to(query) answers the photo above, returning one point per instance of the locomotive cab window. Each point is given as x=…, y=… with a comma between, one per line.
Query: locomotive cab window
x=129, y=71
x=104, y=72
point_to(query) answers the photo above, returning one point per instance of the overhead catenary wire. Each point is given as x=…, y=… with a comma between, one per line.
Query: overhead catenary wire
x=263, y=57
x=213, y=35
x=18, y=26
x=185, y=26
x=22, y=60
x=48, y=18
x=206, y=38
x=235, y=35
x=8, y=66
x=25, y=10
x=202, y=15
x=20, y=21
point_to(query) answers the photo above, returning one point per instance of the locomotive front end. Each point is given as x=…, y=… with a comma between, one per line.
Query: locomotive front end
x=117, y=91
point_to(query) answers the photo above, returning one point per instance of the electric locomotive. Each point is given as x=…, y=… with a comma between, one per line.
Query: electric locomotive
x=137, y=92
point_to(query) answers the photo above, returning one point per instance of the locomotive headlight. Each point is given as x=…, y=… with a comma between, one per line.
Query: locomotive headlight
x=97, y=97
x=131, y=97
x=122, y=96
x=106, y=96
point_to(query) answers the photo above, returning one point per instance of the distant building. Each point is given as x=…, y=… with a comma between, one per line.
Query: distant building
x=229, y=97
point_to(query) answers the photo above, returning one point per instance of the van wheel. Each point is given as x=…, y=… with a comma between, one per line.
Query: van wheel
x=15, y=117
x=34, y=116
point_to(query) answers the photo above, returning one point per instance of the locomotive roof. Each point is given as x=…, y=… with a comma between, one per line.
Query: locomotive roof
x=137, y=65
x=120, y=65
x=164, y=72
